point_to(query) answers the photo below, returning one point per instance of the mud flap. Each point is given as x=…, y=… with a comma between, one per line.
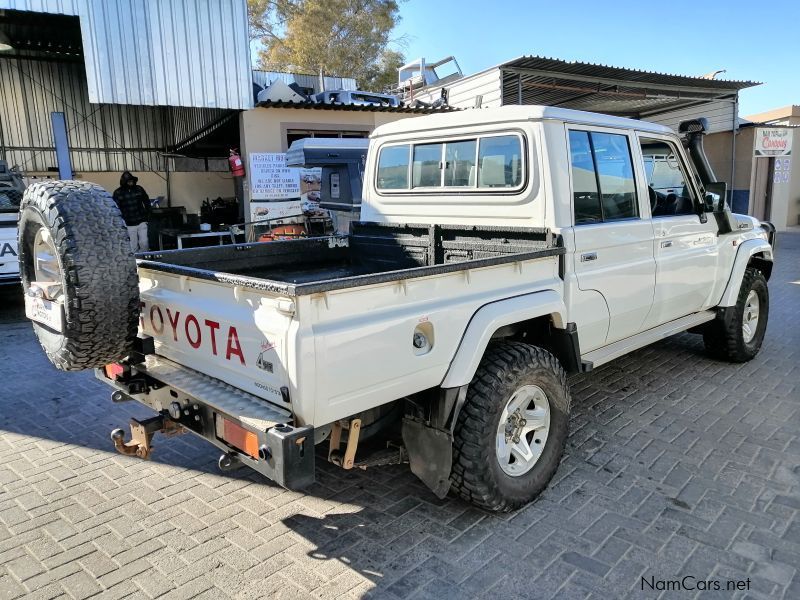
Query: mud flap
x=430, y=454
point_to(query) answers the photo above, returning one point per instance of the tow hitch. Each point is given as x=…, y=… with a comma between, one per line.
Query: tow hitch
x=142, y=433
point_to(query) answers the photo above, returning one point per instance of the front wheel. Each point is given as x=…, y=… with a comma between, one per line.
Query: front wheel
x=737, y=337
x=511, y=432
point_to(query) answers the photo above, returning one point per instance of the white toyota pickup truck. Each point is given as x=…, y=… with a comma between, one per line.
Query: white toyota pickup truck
x=498, y=250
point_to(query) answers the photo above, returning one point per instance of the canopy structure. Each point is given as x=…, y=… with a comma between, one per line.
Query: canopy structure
x=612, y=90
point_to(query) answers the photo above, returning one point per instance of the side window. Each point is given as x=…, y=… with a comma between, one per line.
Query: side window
x=459, y=163
x=393, y=167
x=425, y=168
x=586, y=194
x=602, y=177
x=500, y=162
x=667, y=184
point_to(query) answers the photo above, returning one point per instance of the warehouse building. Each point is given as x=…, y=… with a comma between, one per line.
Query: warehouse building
x=162, y=89
x=137, y=85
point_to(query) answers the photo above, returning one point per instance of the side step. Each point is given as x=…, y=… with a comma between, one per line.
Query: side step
x=640, y=340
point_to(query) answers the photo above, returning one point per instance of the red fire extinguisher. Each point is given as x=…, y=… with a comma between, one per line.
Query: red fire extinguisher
x=235, y=163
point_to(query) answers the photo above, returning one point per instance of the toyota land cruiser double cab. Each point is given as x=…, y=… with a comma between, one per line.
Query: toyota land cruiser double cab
x=499, y=250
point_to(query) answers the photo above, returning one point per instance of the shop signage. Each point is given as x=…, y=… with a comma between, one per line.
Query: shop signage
x=271, y=179
x=773, y=141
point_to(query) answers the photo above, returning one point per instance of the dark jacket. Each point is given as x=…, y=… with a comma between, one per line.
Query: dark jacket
x=133, y=201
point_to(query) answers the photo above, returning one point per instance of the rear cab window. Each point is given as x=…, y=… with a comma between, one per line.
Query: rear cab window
x=480, y=163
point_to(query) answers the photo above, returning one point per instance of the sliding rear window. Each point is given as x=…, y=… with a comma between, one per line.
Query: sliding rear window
x=495, y=162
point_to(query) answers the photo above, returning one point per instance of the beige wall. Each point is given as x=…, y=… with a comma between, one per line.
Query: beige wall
x=786, y=196
x=264, y=129
x=187, y=189
x=785, y=209
x=718, y=149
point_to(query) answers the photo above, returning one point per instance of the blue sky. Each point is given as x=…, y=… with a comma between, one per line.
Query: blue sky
x=756, y=41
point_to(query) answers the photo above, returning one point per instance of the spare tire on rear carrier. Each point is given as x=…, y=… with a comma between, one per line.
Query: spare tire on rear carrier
x=78, y=274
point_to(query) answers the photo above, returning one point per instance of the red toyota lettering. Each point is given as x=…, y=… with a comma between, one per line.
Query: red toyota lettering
x=156, y=310
x=174, y=323
x=212, y=327
x=234, y=348
x=195, y=343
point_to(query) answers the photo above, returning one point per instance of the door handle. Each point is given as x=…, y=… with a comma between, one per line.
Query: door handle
x=667, y=244
x=587, y=256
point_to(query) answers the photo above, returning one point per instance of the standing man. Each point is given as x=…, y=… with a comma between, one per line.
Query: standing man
x=134, y=204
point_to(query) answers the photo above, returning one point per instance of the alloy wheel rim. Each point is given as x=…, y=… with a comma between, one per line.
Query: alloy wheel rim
x=45, y=258
x=750, y=316
x=523, y=430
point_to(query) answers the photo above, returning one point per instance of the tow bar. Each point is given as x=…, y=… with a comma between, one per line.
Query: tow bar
x=142, y=433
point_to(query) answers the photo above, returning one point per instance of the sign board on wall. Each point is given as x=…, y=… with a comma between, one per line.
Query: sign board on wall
x=773, y=141
x=783, y=169
x=271, y=179
x=262, y=211
x=278, y=191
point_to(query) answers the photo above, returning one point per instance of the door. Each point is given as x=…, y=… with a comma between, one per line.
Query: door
x=762, y=189
x=613, y=257
x=686, y=248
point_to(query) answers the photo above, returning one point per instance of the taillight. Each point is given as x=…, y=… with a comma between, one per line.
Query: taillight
x=236, y=435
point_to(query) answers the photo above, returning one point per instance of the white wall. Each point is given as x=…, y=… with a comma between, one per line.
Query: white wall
x=720, y=116
x=462, y=92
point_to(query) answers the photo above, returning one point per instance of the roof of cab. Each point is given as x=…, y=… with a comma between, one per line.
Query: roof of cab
x=510, y=114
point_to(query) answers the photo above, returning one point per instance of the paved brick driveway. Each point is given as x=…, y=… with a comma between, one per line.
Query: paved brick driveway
x=677, y=466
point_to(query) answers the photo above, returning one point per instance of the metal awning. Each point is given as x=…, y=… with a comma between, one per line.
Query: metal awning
x=606, y=89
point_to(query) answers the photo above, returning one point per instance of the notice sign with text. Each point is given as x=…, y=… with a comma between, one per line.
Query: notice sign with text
x=271, y=179
x=773, y=141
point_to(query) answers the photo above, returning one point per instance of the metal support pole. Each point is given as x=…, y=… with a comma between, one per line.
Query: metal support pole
x=733, y=145
x=58, y=122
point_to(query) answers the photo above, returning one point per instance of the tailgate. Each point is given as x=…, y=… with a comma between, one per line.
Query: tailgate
x=234, y=334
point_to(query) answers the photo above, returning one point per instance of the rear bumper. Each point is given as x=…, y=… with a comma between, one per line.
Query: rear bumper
x=281, y=452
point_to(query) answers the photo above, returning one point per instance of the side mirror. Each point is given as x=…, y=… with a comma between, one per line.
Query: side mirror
x=716, y=192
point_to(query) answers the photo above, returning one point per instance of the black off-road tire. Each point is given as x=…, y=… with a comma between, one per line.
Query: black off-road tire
x=476, y=474
x=724, y=338
x=97, y=270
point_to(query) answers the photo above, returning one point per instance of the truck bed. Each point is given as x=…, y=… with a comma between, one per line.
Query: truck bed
x=372, y=253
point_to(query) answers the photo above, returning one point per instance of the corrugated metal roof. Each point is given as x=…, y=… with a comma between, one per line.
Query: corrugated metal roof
x=357, y=107
x=554, y=65
x=306, y=80
x=192, y=53
x=606, y=89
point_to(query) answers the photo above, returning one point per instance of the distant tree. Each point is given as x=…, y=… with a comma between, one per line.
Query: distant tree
x=348, y=38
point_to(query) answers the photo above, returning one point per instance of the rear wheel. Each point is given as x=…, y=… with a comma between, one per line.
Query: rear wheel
x=511, y=432
x=74, y=251
x=737, y=337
